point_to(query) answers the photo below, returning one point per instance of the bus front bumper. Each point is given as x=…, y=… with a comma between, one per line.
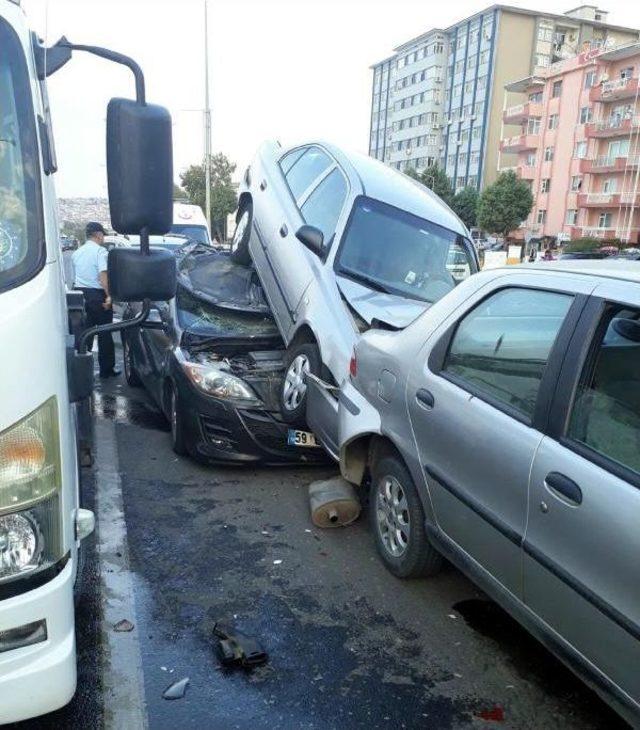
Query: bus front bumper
x=39, y=678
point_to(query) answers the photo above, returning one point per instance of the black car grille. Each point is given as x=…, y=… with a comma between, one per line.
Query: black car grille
x=271, y=434
x=214, y=430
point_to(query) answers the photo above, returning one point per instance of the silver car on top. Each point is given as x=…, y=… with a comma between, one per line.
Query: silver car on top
x=502, y=431
x=342, y=244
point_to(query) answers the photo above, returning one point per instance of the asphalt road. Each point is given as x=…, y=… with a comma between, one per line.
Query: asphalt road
x=350, y=646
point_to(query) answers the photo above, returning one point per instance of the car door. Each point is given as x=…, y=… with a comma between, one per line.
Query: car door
x=475, y=405
x=157, y=342
x=298, y=174
x=582, y=544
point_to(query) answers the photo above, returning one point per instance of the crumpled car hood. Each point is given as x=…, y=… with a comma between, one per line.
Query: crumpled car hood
x=390, y=309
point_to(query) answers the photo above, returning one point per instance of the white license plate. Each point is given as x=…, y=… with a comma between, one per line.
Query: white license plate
x=301, y=438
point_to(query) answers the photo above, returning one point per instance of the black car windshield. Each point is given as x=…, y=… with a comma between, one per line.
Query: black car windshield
x=21, y=227
x=206, y=320
x=194, y=233
x=390, y=250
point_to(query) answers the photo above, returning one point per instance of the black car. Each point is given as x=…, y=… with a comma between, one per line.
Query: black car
x=212, y=359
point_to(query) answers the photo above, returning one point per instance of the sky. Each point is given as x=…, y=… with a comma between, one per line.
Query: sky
x=291, y=70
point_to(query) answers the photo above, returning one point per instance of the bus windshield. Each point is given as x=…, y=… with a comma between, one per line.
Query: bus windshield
x=21, y=227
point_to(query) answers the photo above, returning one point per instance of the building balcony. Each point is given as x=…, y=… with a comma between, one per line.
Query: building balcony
x=614, y=90
x=607, y=200
x=521, y=112
x=612, y=127
x=520, y=143
x=608, y=164
x=524, y=172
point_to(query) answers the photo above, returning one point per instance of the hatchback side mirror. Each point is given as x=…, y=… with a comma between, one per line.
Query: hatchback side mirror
x=312, y=238
x=134, y=276
x=139, y=167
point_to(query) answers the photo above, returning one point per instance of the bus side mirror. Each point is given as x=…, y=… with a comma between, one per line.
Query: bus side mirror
x=135, y=276
x=139, y=167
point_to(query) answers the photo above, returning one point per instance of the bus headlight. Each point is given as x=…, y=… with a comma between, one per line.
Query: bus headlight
x=30, y=518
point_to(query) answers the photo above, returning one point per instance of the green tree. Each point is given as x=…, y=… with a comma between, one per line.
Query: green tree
x=465, y=204
x=505, y=204
x=179, y=193
x=223, y=193
x=434, y=178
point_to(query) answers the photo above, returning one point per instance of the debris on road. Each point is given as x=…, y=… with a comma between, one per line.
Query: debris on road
x=238, y=650
x=333, y=502
x=123, y=625
x=176, y=690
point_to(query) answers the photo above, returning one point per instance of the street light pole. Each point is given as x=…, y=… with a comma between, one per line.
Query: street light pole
x=207, y=123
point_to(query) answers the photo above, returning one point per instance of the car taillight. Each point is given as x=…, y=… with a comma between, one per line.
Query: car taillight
x=353, y=365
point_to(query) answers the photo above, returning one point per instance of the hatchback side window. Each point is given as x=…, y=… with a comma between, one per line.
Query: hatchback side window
x=606, y=412
x=500, y=349
x=322, y=208
x=306, y=169
x=290, y=159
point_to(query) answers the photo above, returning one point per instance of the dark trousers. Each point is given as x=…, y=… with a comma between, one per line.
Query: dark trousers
x=97, y=314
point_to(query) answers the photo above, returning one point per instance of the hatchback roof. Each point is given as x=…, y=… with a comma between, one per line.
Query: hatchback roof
x=394, y=188
x=607, y=268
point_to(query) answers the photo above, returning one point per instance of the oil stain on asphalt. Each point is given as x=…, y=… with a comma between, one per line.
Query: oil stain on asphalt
x=128, y=411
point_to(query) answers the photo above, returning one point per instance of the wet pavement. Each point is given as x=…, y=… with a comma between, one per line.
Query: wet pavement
x=349, y=645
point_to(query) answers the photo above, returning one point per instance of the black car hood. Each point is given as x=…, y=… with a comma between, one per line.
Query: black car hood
x=213, y=277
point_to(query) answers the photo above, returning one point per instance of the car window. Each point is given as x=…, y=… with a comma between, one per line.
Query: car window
x=606, y=412
x=501, y=347
x=322, y=208
x=289, y=160
x=306, y=169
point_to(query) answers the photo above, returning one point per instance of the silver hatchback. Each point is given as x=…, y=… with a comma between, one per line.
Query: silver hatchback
x=501, y=430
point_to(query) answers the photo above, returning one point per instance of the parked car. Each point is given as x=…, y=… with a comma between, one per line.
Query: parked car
x=583, y=255
x=341, y=243
x=501, y=430
x=213, y=361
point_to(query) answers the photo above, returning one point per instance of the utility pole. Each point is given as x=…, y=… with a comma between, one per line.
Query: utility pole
x=207, y=123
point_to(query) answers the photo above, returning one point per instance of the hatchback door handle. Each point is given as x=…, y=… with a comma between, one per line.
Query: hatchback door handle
x=561, y=484
x=425, y=398
x=284, y=230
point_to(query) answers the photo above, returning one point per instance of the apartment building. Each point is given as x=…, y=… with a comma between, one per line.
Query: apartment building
x=440, y=96
x=579, y=145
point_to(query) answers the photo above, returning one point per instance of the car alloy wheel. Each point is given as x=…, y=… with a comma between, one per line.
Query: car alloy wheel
x=295, y=383
x=126, y=357
x=392, y=512
x=240, y=231
x=174, y=416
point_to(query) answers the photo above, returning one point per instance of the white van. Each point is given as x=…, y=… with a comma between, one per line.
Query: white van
x=189, y=221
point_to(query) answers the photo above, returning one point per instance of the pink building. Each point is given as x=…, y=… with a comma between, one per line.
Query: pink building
x=579, y=145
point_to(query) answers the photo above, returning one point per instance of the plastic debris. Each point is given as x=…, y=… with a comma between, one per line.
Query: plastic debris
x=176, y=690
x=333, y=502
x=235, y=649
x=123, y=625
x=277, y=562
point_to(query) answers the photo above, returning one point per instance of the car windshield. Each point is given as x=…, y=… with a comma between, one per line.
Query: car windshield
x=21, y=234
x=193, y=233
x=204, y=319
x=390, y=250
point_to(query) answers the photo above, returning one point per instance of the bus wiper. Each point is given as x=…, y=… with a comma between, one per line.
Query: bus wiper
x=366, y=280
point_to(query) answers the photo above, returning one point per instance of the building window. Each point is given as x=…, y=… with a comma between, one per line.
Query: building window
x=604, y=220
x=542, y=60
x=545, y=185
x=548, y=154
x=580, y=150
x=589, y=79
x=482, y=83
x=609, y=185
x=586, y=115
x=572, y=217
x=468, y=87
x=553, y=121
x=545, y=34
x=475, y=158
x=472, y=182
x=471, y=62
x=484, y=56
x=576, y=183
x=462, y=181
x=531, y=159
x=626, y=73
x=462, y=159
x=541, y=217
x=533, y=126
x=556, y=89
x=451, y=160
x=536, y=98
x=476, y=132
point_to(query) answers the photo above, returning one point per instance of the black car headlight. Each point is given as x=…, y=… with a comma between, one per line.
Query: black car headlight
x=211, y=378
x=30, y=481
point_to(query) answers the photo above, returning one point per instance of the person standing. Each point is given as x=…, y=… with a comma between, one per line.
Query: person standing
x=90, y=277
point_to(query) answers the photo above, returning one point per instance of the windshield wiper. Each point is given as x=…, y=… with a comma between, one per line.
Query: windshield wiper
x=366, y=280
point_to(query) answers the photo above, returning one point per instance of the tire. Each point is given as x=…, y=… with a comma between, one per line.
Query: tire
x=130, y=373
x=240, y=241
x=178, y=442
x=300, y=360
x=394, y=503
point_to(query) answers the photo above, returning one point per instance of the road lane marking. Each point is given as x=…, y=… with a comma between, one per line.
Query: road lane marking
x=122, y=676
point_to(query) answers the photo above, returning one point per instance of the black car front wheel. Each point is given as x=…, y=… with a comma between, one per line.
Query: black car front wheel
x=397, y=520
x=130, y=372
x=178, y=442
x=240, y=241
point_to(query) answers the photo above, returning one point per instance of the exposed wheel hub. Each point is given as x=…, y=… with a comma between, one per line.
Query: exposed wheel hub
x=392, y=512
x=295, y=382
